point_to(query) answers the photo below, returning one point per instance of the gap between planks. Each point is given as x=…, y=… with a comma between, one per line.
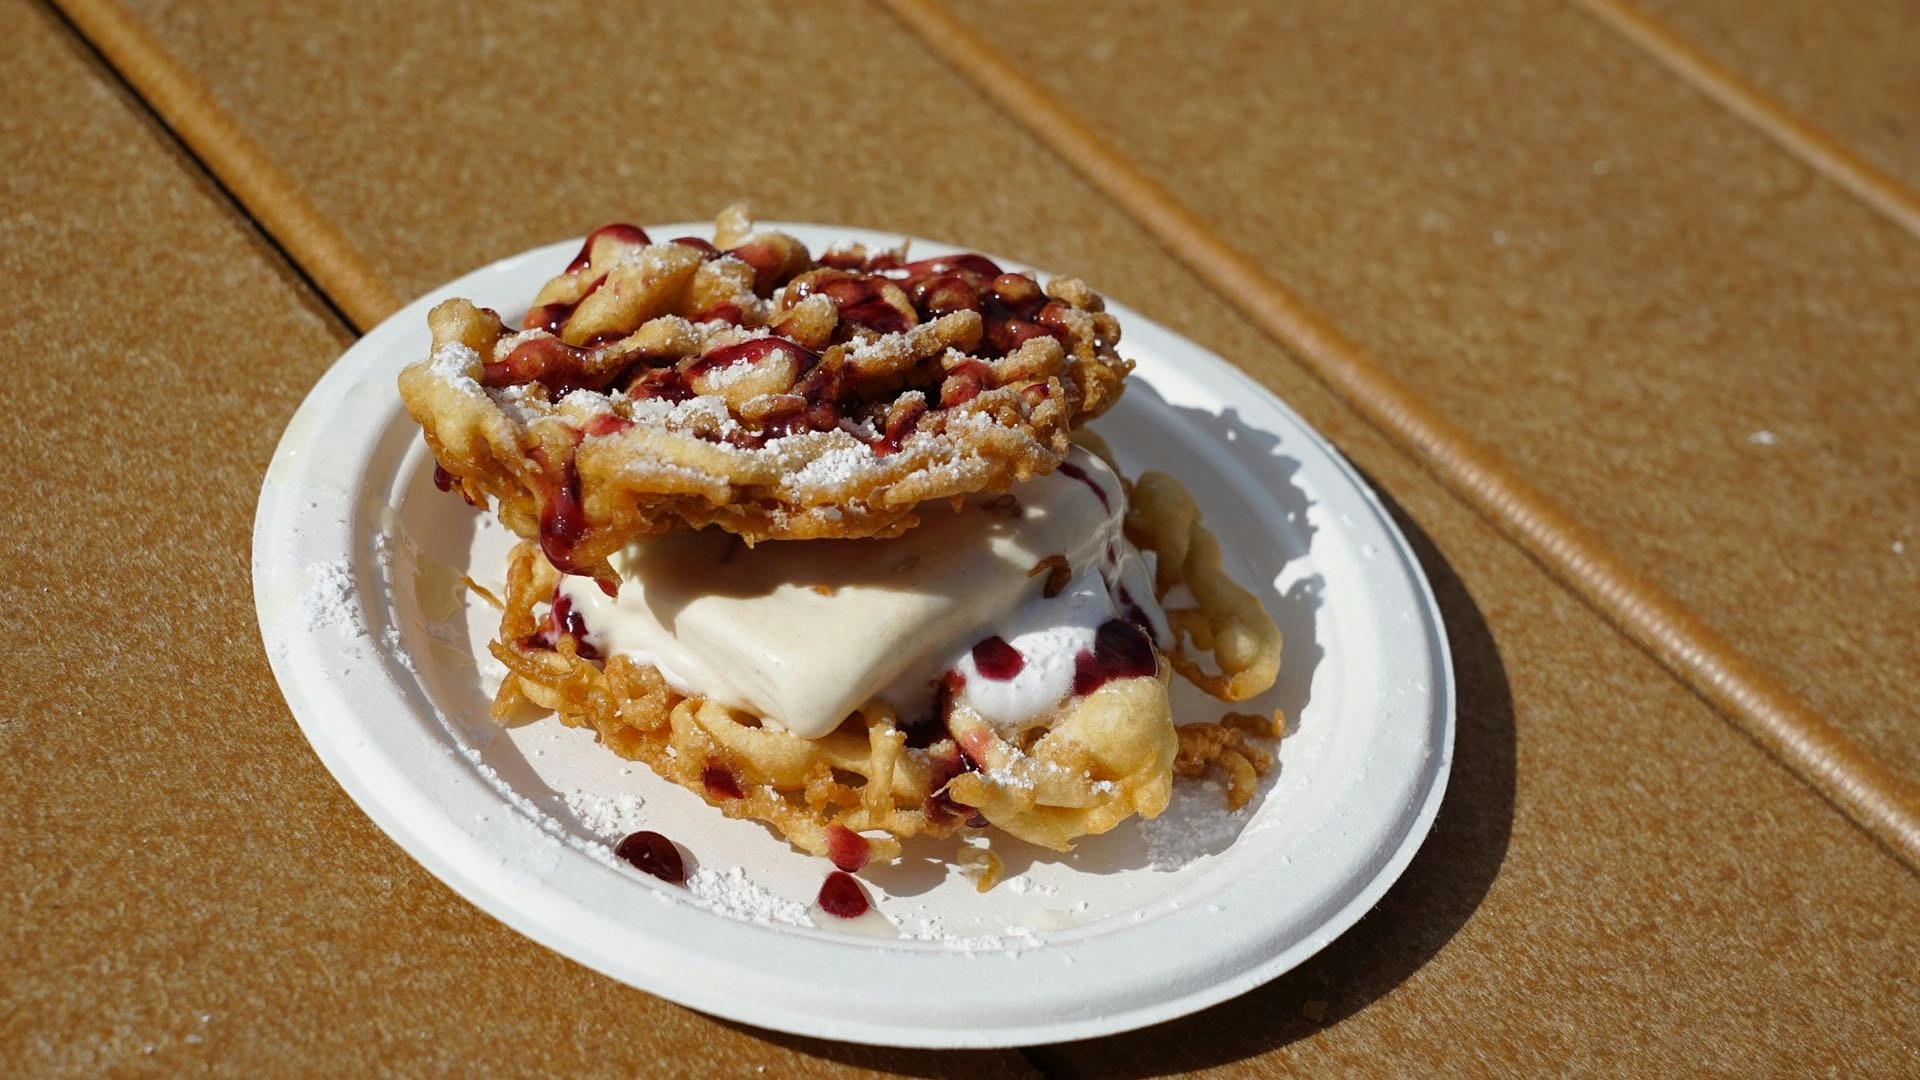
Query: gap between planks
x=1886, y=806
x=1816, y=148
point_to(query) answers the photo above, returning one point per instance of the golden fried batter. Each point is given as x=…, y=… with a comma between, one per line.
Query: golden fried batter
x=667, y=386
x=1103, y=758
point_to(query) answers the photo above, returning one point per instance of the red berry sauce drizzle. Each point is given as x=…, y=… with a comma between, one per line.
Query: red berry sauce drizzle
x=626, y=234
x=653, y=854
x=563, y=520
x=1013, y=310
x=996, y=660
x=1080, y=474
x=753, y=350
x=941, y=806
x=965, y=382
x=899, y=425
x=1131, y=611
x=720, y=781
x=843, y=897
x=861, y=301
x=563, y=621
x=848, y=849
x=697, y=244
x=931, y=727
x=1120, y=651
x=444, y=480
x=552, y=317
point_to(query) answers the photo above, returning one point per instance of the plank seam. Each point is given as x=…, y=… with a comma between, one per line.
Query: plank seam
x=193, y=163
x=1752, y=699
x=1815, y=148
x=267, y=194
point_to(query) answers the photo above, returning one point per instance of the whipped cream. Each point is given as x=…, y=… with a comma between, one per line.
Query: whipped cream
x=802, y=633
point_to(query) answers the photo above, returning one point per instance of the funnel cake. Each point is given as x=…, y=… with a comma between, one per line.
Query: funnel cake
x=820, y=541
x=745, y=385
x=1101, y=746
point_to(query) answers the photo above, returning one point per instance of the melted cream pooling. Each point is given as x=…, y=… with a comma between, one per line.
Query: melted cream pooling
x=802, y=633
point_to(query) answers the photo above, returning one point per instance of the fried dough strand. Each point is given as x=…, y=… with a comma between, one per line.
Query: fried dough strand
x=1226, y=622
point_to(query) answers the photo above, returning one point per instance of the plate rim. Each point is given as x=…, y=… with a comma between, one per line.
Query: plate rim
x=399, y=806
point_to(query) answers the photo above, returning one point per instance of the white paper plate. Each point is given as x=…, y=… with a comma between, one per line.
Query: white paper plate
x=356, y=566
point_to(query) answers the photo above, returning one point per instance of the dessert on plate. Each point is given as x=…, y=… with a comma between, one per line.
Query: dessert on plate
x=823, y=539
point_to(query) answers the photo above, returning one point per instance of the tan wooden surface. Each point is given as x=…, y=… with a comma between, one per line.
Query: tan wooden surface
x=1564, y=247
x=1848, y=68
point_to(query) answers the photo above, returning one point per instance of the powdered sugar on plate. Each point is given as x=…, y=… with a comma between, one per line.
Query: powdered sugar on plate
x=390, y=639
x=610, y=816
x=1021, y=885
x=1195, y=824
x=332, y=602
x=732, y=893
x=930, y=929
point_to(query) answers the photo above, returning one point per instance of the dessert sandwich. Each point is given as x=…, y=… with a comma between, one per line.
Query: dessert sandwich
x=823, y=540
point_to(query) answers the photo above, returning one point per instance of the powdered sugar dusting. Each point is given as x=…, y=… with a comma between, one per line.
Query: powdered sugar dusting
x=732, y=893
x=1021, y=885
x=455, y=362
x=390, y=639
x=610, y=816
x=331, y=601
x=546, y=824
x=520, y=404
x=834, y=469
x=1195, y=824
x=581, y=407
x=721, y=378
x=930, y=929
x=705, y=413
x=881, y=347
